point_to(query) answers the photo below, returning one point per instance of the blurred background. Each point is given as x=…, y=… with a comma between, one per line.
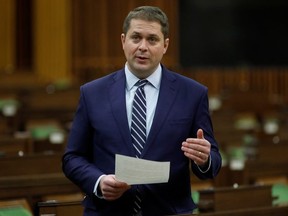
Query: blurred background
x=238, y=49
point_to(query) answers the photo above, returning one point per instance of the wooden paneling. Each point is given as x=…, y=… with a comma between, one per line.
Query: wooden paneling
x=7, y=35
x=24, y=38
x=52, y=39
x=270, y=81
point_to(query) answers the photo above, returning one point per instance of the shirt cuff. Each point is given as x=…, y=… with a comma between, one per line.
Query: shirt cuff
x=96, y=191
x=208, y=167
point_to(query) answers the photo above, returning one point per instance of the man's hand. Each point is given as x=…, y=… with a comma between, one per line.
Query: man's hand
x=112, y=189
x=197, y=149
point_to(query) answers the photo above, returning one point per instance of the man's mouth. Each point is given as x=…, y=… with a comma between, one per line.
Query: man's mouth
x=141, y=58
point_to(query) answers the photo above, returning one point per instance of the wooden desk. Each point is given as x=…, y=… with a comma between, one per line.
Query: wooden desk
x=32, y=177
x=229, y=198
x=59, y=105
x=76, y=209
x=270, y=161
x=35, y=186
x=34, y=164
x=18, y=205
x=12, y=146
x=60, y=208
x=260, y=211
x=47, y=135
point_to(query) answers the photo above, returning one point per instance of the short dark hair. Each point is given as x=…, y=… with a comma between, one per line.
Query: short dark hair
x=148, y=13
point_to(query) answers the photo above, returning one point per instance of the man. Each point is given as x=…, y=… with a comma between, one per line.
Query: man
x=178, y=128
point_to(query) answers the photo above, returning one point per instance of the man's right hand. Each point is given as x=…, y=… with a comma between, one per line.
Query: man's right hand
x=112, y=189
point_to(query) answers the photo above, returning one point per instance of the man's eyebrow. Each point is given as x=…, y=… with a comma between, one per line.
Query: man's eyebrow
x=150, y=35
x=154, y=35
x=135, y=33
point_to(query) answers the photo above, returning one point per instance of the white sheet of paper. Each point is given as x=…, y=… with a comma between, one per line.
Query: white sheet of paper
x=139, y=171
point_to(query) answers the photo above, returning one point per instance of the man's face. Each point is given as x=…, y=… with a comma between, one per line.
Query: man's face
x=144, y=47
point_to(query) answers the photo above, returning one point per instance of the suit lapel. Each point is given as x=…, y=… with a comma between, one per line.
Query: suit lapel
x=118, y=105
x=166, y=98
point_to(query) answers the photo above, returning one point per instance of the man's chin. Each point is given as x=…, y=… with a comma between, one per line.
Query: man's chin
x=143, y=68
x=142, y=72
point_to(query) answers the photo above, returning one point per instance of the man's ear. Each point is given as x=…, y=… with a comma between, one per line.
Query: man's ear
x=166, y=44
x=123, y=36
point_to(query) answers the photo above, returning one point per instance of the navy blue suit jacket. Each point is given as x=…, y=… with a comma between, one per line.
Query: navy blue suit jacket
x=100, y=130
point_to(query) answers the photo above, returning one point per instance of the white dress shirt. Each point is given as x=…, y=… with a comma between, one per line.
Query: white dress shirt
x=151, y=91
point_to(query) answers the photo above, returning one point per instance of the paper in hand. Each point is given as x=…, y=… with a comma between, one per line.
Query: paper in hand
x=139, y=171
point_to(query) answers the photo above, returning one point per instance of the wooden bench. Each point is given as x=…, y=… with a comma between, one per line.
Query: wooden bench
x=17, y=207
x=265, y=161
x=59, y=105
x=259, y=211
x=270, y=161
x=76, y=209
x=47, y=135
x=60, y=208
x=229, y=198
x=67, y=197
x=36, y=101
x=12, y=146
x=32, y=177
x=34, y=164
x=10, y=119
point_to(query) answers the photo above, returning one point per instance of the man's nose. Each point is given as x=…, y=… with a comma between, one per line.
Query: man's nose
x=143, y=45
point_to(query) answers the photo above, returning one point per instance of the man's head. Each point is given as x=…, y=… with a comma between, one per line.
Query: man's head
x=148, y=13
x=145, y=39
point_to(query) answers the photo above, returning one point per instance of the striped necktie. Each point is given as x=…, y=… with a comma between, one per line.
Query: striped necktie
x=138, y=124
x=138, y=132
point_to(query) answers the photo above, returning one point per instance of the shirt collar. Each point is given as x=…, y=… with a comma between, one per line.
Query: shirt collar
x=154, y=79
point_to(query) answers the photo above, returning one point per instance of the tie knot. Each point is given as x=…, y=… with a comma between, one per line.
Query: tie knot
x=141, y=83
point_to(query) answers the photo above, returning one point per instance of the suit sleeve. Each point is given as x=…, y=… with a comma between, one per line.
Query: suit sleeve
x=76, y=161
x=203, y=121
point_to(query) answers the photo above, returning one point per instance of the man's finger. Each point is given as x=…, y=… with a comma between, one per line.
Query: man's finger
x=200, y=134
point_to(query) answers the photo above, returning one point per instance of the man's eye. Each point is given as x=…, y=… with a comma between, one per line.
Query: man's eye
x=135, y=37
x=153, y=40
